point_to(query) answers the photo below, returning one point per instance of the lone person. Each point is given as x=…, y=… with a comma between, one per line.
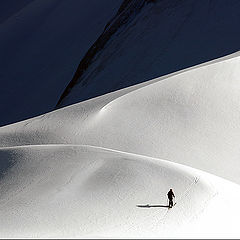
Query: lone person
x=170, y=198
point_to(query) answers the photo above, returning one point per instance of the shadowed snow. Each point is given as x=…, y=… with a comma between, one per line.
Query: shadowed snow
x=83, y=191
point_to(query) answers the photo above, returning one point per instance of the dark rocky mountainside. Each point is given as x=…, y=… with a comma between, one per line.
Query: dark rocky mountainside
x=41, y=42
x=148, y=39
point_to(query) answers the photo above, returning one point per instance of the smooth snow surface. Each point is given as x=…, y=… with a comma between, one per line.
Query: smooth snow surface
x=81, y=171
x=72, y=191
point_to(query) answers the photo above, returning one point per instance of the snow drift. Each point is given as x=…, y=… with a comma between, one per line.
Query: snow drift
x=72, y=191
x=102, y=167
x=81, y=171
x=189, y=117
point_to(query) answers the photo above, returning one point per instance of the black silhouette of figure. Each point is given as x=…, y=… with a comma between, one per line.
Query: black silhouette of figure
x=170, y=198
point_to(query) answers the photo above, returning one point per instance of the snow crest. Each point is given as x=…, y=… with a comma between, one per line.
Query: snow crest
x=84, y=170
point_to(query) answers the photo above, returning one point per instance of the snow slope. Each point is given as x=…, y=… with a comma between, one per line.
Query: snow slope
x=189, y=117
x=41, y=42
x=82, y=191
x=150, y=39
x=81, y=171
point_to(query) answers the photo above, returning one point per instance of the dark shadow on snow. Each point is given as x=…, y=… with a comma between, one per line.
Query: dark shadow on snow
x=149, y=206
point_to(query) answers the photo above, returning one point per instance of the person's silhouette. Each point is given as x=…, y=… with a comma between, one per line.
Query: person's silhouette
x=170, y=195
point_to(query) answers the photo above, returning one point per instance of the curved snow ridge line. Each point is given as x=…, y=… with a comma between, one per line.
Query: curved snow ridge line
x=128, y=90
x=74, y=129
x=157, y=161
x=94, y=191
x=192, y=174
x=116, y=95
x=138, y=156
x=135, y=88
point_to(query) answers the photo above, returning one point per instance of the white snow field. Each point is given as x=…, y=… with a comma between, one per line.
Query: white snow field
x=81, y=171
x=81, y=191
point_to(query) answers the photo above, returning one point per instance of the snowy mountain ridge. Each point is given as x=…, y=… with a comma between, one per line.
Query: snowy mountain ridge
x=101, y=168
x=42, y=43
x=161, y=37
x=62, y=177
